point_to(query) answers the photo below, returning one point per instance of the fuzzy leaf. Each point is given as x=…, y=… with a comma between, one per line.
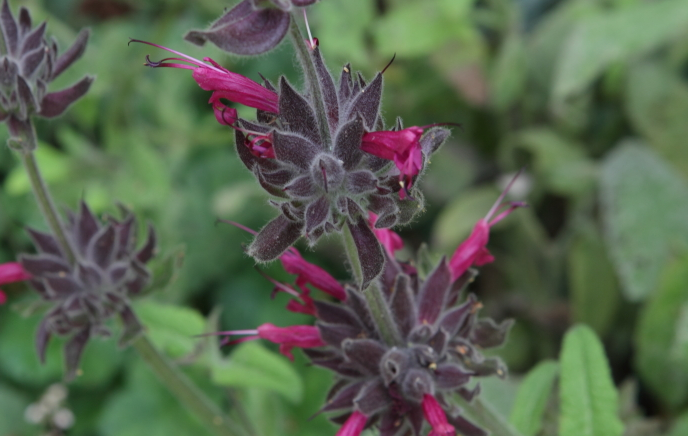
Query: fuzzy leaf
x=296, y=112
x=294, y=149
x=367, y=103
x=602, y=39
x=327, y=88
x=74, y=52
x=588, y=397
x=645, y=205
x=433, y=293
x=54, y=103
x=251, y=365
x=347, y=145
x=532, y=397
x=592, y=281
x=662, y=337
x=171, y=328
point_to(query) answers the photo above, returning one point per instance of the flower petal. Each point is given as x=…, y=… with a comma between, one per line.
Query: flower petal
x=354, y=425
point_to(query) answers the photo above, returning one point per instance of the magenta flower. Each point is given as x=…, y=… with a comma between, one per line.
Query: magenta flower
x=473, y=251
x=307, y=273
x=435, y=415
x=225, y=85
x=301, y=336
x=9, y=273
x=354, y=425
x=388, y=238
x=401, y=146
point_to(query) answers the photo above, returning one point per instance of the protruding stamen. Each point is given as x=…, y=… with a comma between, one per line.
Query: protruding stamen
x=280, y=286
x=501, y=197
x=512, y=206
x=235, y=224
x=390, y=63
x=186, y=58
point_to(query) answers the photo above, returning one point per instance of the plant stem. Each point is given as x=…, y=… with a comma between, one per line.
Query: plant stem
x=382, y=316
x=302, y=52
x=352, y=254
x=185, y=390
x=485, y=415
x=43, y=198
x=373, y=295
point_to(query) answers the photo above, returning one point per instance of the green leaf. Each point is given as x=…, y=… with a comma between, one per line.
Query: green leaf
x=251, y=365
x=531, y=399
x=644, y=209
x=171, y=328
x=588, y=398
x=592, y=281
x=657, y=103
x=603, y=39
x=662, y=337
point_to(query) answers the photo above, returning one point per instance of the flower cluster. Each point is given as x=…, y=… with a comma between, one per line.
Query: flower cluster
x=108, y=270
x=28, y=63
x=325, y=172
x=396, y=375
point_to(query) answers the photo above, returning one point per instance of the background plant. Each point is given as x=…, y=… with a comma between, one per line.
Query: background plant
x=590, y=95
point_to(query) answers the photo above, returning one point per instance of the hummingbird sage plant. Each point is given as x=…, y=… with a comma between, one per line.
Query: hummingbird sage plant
x=400, y=343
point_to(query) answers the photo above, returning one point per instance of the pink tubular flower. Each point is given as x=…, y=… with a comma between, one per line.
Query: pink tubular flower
x=302, y=336
x=307, y=273
x=225, y=84
x=435, y=415
x=402, y=147
x=388, y=238
x=473, y=251
x=354, y=425
x=9, y=273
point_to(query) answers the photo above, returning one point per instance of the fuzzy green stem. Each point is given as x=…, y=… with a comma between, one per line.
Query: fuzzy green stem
x=352, y=254
x=486, y=416
x=186, y=391
x=43, y=198
x=379, y=310
x=373, y=295
x=302, y=52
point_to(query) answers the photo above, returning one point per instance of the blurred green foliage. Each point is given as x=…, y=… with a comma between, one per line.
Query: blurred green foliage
x=591, y=96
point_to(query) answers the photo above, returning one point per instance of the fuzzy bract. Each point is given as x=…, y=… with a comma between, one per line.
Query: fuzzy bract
x=251, y=27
